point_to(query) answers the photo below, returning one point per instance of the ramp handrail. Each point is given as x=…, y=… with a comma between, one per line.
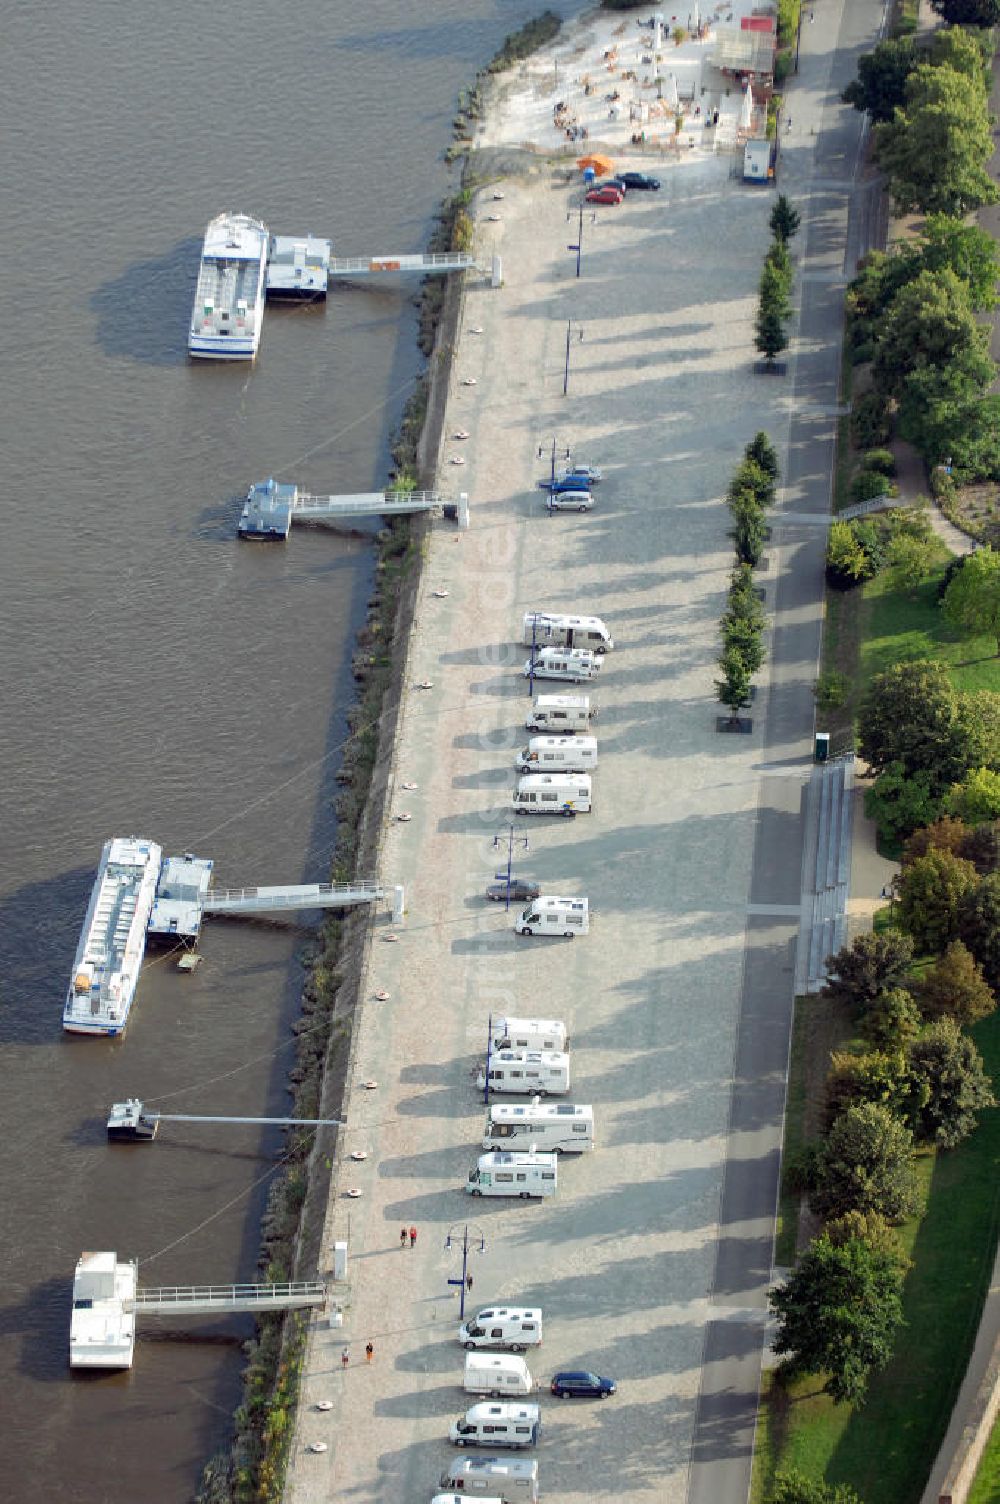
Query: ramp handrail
x=303, y=894
x=309, y=1291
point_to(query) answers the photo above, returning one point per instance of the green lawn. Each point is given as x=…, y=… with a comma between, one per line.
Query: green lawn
x=986, y=1489
x=885, y=1450
x=898, y=625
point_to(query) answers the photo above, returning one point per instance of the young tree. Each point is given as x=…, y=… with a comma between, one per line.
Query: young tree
x=763, y=453
x=753, y=479
x=733, y=689
x=931, y=889
x=911, y=561
x=891, y=1020
x=847, y=563
x=972, y=601
x=955, y=987
x=909, y=716
x=869, y=965
x=879, y=1076
x=951, y=1085
x=979, y=927
x=866, y=1165
x=935, y=149
x=900, y=802
x=946, y=834
x=838, y=1314
x=976, y=800
x=749, y=530
x=868, y=1228
x=880, y=87
x=785, y=219
x=743, y=638
x=743, y=599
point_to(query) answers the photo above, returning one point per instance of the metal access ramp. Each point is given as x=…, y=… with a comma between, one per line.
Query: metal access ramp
x=208, y=1300
x=301, y=896
x=427, y=265
x=272, y=506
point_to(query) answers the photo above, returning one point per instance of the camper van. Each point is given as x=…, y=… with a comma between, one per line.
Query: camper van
x=563, y=663
x=554, y=916
x=513, y=1327
x=499, y=1374
x=529, y=1034
x=562, y=714
x=549, y=629
x=541, y=1073
x=526, y=1175
x=558, y=754
x=501, y=1424
x=562, y=1127
x=511, y=1479
x=564, y=794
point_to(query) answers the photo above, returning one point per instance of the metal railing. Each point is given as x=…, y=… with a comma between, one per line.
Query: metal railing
x=293, y=1293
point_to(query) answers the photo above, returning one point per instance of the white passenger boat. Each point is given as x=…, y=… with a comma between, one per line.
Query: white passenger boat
x=102, y=1326
x=229, y=300
x=113, y=938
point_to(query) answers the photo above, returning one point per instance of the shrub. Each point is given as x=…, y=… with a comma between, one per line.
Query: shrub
x=831, y=690
x=868, y=484
x=870, y=422
x=882, y=460
x=880, y=1076
x=866, y=1165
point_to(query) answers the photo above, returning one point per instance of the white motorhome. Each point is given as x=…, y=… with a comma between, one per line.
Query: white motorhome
x=513, y=1327
x=529, y=1034
x=562, y=714
x=509, y=1478
x=562, y=1127
x=526, y=1175
x=558, y=754
x=563, y=663
x=499, y=1374
x=541, y=1073
x=563, y=794
x=551, y=915
x=501, y=1424
x=551, y=629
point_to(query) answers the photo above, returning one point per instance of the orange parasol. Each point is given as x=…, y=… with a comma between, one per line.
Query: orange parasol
x=603, y=166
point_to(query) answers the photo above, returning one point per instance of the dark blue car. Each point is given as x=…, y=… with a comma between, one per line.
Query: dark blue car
x=577, y=1384
x=568, y=482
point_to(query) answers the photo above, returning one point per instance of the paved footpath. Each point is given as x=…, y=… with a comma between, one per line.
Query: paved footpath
x=652, y=1262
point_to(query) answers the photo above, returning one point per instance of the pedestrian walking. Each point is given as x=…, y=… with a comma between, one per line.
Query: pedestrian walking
x=468, y=1283
x=413, y=1237
x=369, y=1352
x=402, y=1237
x=345, y=1357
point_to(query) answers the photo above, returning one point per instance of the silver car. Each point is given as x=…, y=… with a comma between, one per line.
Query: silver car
x=570, y=501
x=589, y=473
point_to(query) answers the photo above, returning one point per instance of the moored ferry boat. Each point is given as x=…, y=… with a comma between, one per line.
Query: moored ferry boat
x=229, y=299
x=113, y=939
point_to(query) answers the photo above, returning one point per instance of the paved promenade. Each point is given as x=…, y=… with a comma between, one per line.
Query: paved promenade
x=652, y=1262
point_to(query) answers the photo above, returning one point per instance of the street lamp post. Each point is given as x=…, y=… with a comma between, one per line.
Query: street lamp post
x=569, y=336
x=476, y=1232
x=578, y=248
x=511, y=841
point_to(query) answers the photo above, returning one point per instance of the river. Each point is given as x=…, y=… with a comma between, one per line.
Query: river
x=161, y=679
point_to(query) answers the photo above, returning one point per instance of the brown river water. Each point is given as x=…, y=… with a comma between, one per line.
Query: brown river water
x=159, y=678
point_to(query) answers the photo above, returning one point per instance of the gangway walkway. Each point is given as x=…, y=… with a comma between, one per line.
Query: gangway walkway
x=300, y=896
x=429, y=265
x=272, y=506
x=207, y=1300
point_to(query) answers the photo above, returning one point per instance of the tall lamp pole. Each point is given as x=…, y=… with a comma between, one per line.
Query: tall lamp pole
x=511, y=841
x=578, y=248
x=476, y=1232
x=569, y=336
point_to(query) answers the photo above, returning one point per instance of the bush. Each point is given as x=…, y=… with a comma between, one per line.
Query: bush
x=867, y=484
x=870, y=421
x=882, y=460
x=900, y=802
x=831, y=690
x=847, y=564
x=892, y=1020
x=866, y=1165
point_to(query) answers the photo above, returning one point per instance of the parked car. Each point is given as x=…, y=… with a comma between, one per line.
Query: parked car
x=638, y=180
x=615, y=182
x=521, y=890
x=578, y=1385
x=570, y=501
x=568, y=481
x=604, y=196
x=590, y=473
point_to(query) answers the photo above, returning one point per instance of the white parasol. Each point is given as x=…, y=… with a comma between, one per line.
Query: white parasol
x=746, y=113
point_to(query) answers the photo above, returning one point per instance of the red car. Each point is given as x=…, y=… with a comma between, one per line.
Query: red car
x=604, y=196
